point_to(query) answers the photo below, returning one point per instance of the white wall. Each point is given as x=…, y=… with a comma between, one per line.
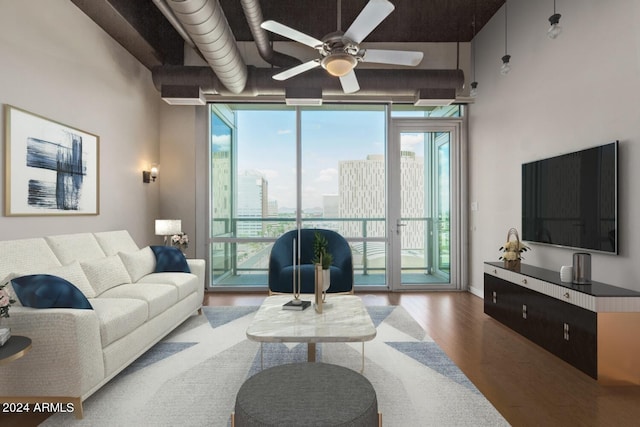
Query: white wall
x=562, y=95
x=57, y=63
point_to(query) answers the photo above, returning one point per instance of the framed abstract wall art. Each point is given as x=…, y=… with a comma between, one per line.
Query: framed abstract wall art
x=51, y=168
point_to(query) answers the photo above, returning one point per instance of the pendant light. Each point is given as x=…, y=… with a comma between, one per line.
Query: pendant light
x=555, y=29
x=506, y=67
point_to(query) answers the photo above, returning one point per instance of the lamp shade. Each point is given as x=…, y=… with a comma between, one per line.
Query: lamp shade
x=166, y=227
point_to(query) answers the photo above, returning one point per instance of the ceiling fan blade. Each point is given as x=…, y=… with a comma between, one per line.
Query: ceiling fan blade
x=298, y=69
x=290, y=33
x=369, y=18
x=349, y=82
x=395, y=57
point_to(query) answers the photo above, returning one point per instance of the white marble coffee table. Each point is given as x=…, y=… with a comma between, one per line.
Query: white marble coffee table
x=344, y=318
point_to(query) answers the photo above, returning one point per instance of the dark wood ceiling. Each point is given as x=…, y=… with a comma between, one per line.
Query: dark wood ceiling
x=142, y=29
x=411, y=21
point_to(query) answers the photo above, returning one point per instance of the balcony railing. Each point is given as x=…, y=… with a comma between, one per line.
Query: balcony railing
x=230, y=258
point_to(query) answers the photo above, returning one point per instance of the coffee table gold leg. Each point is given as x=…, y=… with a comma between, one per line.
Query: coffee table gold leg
x=261, y=356
x=311, y=352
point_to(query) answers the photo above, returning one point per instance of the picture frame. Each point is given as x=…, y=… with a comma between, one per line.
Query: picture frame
x=51, y=168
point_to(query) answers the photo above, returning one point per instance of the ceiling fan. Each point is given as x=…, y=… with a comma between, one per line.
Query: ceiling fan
x=340, y=52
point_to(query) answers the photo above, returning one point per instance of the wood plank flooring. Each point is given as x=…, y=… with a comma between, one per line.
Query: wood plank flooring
x=528, y=385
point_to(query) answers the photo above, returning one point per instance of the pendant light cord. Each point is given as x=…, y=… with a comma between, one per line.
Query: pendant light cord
x=505, y=27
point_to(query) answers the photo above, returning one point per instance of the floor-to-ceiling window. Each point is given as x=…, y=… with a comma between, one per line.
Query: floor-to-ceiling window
x=275, y=167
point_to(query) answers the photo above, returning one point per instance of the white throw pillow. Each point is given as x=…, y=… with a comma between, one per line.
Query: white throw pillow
x=105, y=273
x=73, y=273
x=139, y=263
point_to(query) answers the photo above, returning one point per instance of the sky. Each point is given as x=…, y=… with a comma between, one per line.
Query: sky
x=266, y=143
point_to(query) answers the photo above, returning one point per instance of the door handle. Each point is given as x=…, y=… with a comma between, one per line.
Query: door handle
x=398, y=225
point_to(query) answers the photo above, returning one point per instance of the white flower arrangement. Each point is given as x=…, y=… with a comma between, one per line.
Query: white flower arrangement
x=180, y=241
x=5, y=301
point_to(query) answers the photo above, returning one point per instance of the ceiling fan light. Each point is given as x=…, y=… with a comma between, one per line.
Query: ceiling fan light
x=339, y=64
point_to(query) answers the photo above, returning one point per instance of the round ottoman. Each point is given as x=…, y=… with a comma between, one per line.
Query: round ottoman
x=306, y=394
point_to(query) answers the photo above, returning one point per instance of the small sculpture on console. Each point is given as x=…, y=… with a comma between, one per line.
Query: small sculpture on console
x=512, y=250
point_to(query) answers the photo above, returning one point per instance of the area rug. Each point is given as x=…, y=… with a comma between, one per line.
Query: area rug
x=191, y=377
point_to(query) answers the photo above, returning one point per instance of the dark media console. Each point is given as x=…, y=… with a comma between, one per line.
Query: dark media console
x=594, y=327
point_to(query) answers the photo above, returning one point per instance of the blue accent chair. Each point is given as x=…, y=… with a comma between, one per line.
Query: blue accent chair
x=281, y=262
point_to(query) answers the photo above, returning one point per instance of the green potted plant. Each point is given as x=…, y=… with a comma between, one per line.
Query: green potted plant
x=321, y=251
x=321, y=255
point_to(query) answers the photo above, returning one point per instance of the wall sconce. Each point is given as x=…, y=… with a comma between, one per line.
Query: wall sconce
x=167, y=228
x=150, y=175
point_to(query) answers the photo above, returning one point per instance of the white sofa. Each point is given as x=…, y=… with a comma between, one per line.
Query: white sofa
x=76, y=351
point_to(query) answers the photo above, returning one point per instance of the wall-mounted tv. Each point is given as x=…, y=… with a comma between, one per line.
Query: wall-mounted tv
x=571, y=200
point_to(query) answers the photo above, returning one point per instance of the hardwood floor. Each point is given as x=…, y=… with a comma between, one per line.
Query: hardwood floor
x=528, y=385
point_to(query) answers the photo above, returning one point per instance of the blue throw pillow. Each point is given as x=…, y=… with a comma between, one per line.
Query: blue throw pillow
x=170, y=259
x=48, y=291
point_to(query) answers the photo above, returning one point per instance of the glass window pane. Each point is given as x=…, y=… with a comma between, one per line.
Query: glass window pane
x=266, y=172
x=343, y=180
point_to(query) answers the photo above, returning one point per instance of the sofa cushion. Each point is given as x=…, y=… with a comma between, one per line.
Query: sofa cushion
x=170, y=259
x=113, y=242
x=75, y=247
x=118, y=317
x=105, y=273
x=138, y=263
x=186, y=283
x=48, y=291
x=159, y=298
x=20, y=255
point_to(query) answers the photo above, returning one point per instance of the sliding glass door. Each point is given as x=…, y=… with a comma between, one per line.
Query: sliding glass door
x=423, y=186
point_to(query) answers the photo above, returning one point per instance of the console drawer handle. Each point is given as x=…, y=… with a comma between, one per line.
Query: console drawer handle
x=524, y=281
x=566, y=295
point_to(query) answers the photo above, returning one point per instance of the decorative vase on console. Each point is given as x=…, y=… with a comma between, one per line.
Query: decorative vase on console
x=512, y=250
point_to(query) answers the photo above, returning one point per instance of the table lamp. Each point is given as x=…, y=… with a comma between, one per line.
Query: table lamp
x=167, y=228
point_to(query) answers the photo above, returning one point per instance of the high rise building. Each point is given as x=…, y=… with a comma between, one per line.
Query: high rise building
x=362, y=194
x=253, y=196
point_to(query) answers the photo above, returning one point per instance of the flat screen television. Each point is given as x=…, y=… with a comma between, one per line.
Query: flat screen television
x=571, y=200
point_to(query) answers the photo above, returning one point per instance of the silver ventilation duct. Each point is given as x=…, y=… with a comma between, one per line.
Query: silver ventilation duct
x=378, y=83
x=207, y=26
x=253, y=13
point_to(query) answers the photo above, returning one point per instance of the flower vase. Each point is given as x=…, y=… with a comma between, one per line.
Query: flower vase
x=326, y=282
x=512, y=264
